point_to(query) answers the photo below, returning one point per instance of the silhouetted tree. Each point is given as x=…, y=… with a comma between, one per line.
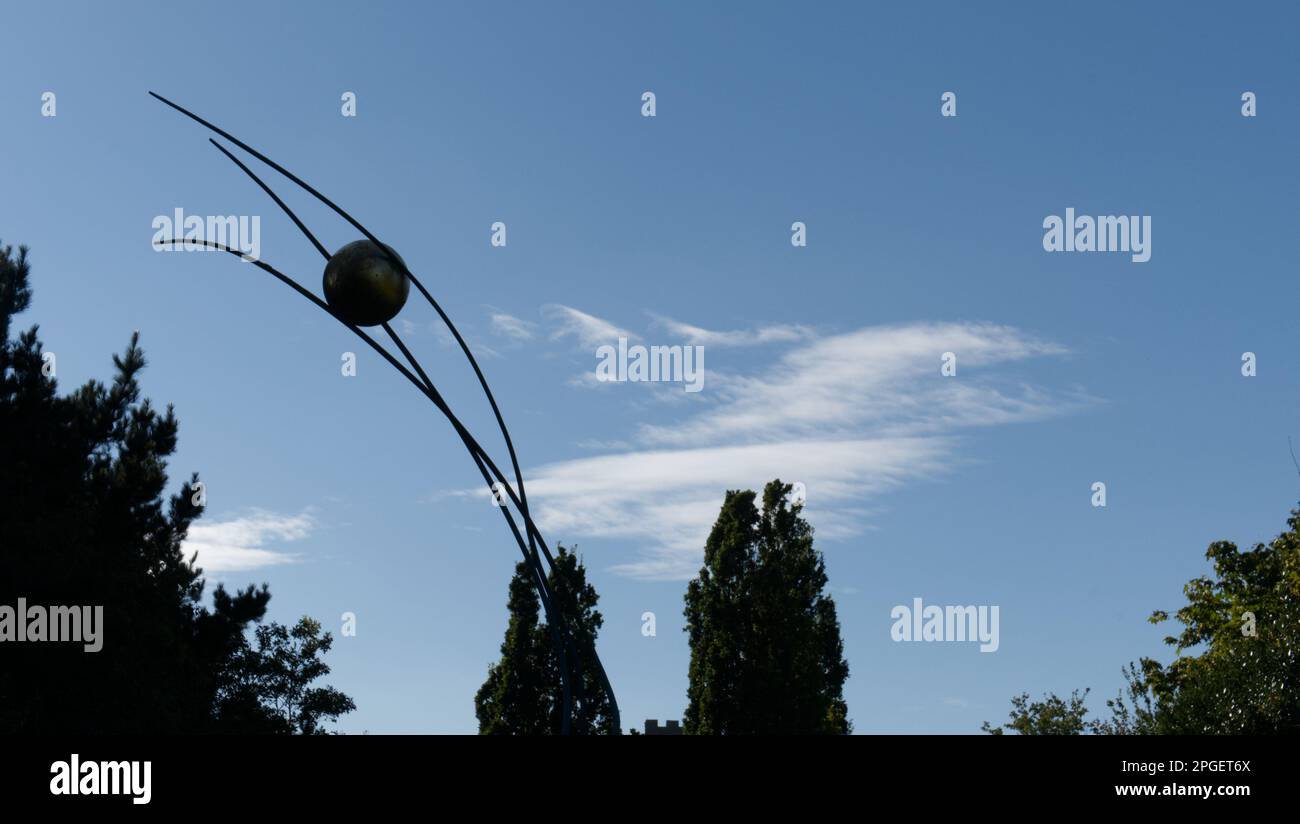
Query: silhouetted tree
x=1135, y=715
x=1246, y=619
x=268, y=688
x=1246, y=678
x=1051, y=716
x=83, y=522
x=766, y=653
x=515, y=698
x=523, y=693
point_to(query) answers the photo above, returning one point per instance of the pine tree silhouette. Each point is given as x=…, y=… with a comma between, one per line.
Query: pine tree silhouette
x=522, y=694
x=83, y=521
x=766, y=653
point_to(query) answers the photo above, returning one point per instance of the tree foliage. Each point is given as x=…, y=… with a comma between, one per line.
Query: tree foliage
x=1245, y=620
x=84, y=521
x=1242, y=626
x=766, y=653
x=523, y=692
x=1051, y=716
x=268, y=689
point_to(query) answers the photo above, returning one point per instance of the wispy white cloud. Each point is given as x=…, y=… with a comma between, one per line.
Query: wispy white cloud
x=668, y=499
x=851, y=416
x=509, y=326
x=779, y=333
x=589, y=330
x=448, y=341
x=241, y=543
x=883, y=379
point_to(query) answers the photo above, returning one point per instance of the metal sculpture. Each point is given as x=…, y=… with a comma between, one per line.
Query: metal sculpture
x=366, y=283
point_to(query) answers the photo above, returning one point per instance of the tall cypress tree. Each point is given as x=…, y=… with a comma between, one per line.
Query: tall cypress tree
x=766, y=653
x=523, y=693
x=515, y=699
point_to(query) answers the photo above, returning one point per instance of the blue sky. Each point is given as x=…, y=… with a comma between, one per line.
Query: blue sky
x=822, y=362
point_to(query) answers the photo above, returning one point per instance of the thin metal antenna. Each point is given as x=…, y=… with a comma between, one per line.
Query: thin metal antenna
x=274, y=196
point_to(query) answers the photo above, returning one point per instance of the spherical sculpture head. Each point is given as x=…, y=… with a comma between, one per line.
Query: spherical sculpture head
x=364, y=286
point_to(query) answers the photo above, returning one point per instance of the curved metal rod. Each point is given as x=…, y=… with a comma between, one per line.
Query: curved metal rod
x=432, y=394
x=522, y=500
x=559, y=632
x=398, y=262
x=481, y=458
x=539, y=573
x=325, y=254
x=560, y=635
x=278, y=202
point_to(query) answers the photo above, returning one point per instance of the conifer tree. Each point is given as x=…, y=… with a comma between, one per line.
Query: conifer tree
x=523, y=693
x=84, y=521
x=766, y=653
